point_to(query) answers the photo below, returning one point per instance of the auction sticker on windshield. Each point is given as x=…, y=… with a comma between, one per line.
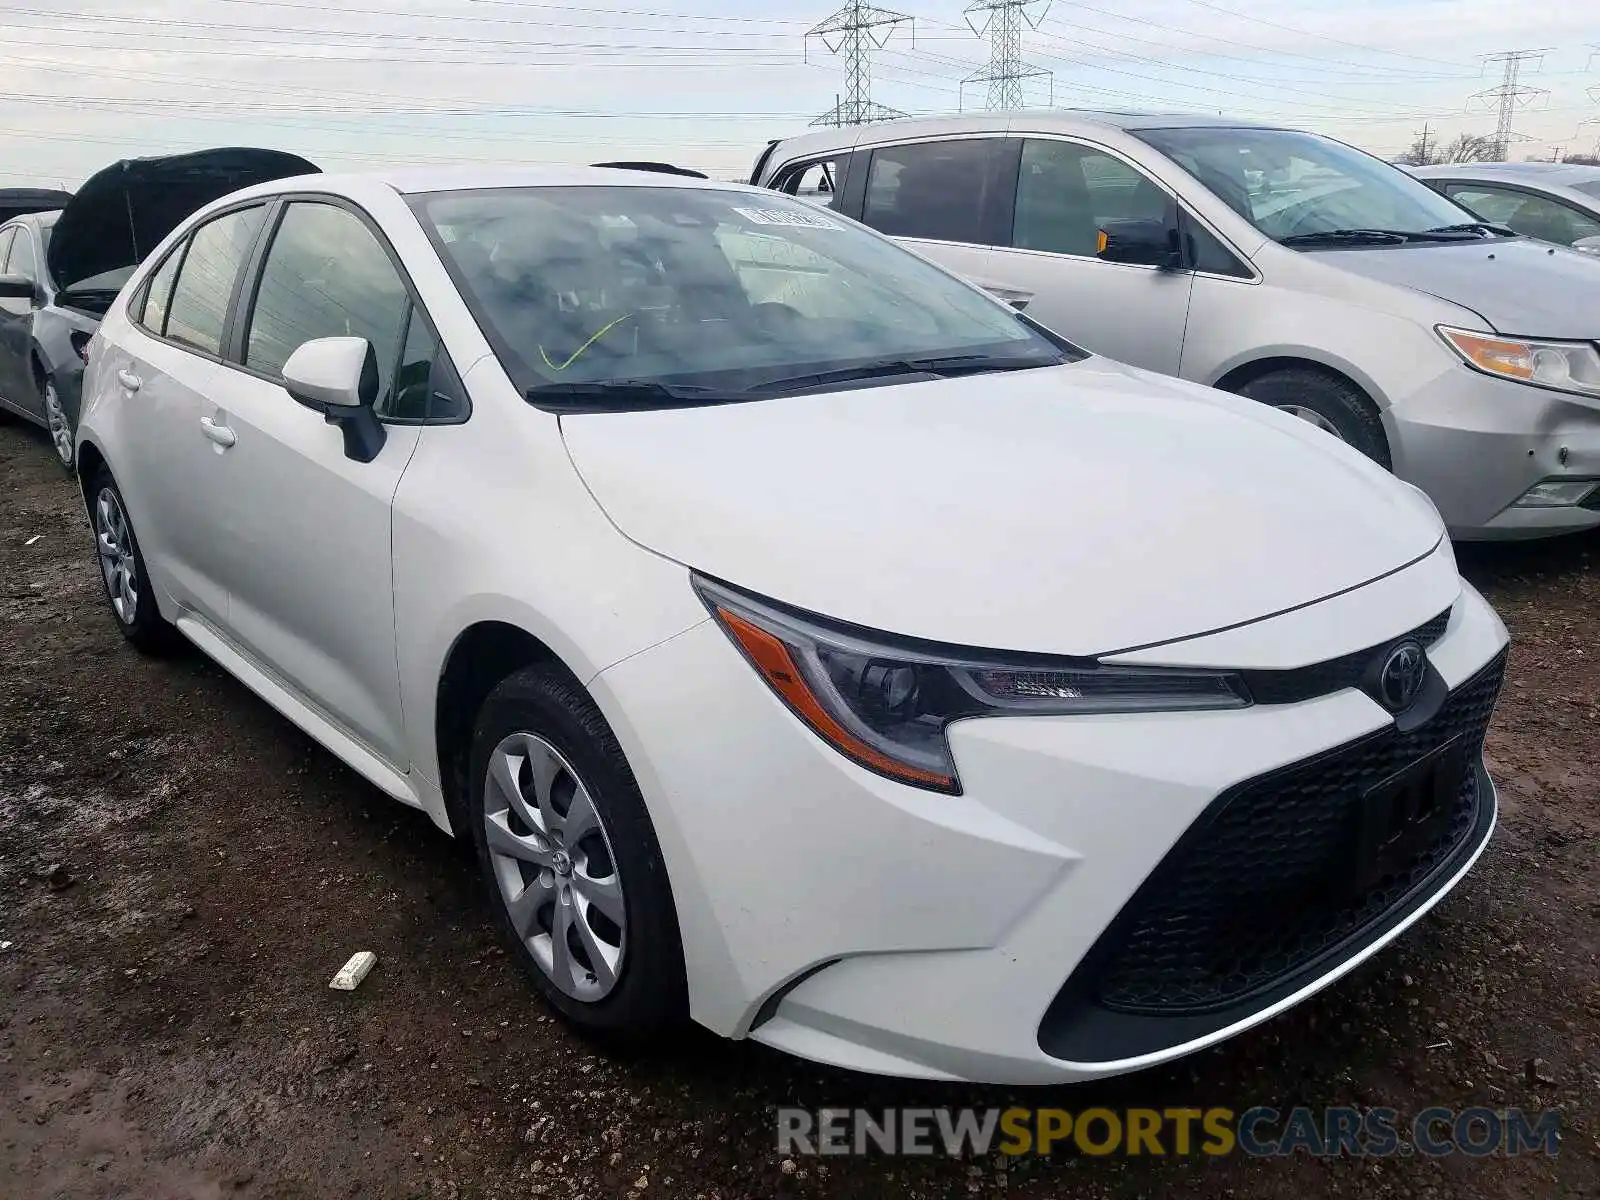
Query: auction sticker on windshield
x=775, y=216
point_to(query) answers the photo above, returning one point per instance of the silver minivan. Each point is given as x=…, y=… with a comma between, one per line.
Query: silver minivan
x=1274, y=263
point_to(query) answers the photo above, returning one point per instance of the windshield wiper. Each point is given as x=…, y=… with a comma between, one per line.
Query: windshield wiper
x=1347, y=237
x=1493, y=227
x=947, y=366
x=609, y=393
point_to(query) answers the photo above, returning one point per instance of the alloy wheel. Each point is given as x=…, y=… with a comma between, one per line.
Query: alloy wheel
x=1312, y=415
x=60, y=430
x=552, y=861
x=117, y=562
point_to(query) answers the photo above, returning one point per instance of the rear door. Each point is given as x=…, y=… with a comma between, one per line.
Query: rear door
x=307, y=561
x=160, y=372
x=1066, y=193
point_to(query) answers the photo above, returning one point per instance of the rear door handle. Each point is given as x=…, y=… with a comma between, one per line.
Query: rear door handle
x=129, y=380
x=220, y=434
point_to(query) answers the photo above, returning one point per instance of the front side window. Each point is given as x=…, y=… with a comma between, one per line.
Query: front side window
x=326, y=275
x=1532, y=216
x=200, y=298
x=936, y=190
x=702, y=289
x=1067, y=194
x=1293, y=185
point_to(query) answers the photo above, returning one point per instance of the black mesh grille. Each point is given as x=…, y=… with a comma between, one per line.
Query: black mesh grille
x=1337, y=674
x=1262, y=885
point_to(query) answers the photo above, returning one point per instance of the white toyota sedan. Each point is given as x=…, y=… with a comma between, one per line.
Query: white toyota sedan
x=813, y=646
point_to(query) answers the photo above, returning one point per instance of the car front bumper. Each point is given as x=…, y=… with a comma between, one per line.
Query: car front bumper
x=854, y=921
x=1477, y=444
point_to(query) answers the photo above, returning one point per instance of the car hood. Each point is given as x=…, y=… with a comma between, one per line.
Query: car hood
x=1519, y=286
x=122, y=212
x=15, y=202
x=1074, y=510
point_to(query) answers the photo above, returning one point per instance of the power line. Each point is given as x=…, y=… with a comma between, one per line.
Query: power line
x=854, y=31
x=1510, y=97
x=1002, y=22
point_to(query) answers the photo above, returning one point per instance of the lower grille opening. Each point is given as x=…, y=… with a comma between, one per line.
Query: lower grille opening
x=1284, y=876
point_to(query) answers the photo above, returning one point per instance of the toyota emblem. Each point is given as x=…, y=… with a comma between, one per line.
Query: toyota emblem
x=1402, y=676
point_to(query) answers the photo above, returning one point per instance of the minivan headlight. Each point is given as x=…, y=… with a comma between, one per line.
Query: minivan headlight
x=885, y=704
x=1564, y=366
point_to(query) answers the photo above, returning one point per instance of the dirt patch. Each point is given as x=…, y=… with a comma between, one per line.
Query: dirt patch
x=181, y=872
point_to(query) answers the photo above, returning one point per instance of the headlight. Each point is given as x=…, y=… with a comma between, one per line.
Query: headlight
x=885, y=705
x=1565, y=366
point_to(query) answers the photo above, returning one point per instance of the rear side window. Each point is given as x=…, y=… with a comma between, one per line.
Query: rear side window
x=326, y=275
x=199, y=307
x=937, y=190
x=151, y=307
x=817, y=182
x=22, y=260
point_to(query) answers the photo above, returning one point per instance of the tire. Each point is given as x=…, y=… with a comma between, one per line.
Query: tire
x=1343, y=408
x=60, y=428
x=542, y=716
x=133, y=607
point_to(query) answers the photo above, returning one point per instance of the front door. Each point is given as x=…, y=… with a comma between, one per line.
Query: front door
x=1067, y=194
x=307, y=563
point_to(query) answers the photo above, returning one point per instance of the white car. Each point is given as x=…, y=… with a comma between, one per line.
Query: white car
x=812, y=646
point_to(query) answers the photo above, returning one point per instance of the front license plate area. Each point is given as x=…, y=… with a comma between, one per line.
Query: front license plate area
x=1407, y=813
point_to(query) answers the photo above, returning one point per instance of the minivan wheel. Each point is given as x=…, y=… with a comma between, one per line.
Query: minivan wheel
x=1330, y=402
x=574, y=871
x=123, y=571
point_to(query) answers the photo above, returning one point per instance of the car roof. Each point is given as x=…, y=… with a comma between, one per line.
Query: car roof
x=1558, y=173
x=1062, y=120
x=419, y=180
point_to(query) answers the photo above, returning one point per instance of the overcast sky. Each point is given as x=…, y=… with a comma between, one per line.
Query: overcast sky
x=706, y=82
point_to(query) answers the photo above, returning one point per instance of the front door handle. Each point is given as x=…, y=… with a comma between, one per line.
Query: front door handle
x=220, y=434
x=129, y=380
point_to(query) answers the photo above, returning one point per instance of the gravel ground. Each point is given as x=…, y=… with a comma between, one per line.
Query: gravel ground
x=181, y=872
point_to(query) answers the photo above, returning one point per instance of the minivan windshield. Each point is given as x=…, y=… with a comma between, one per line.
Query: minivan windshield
x=624, y=297
x=1312, y=192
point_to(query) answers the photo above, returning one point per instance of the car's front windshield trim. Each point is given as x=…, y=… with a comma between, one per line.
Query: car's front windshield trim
x=683, y=295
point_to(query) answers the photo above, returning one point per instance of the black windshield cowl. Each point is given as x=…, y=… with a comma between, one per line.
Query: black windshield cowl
x=942, y=367
x=613, y=395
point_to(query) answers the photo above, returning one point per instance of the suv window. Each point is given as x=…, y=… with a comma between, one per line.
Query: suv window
x=326, y=275
x=151, y=309
x=5, y=243
x=412, y=398
x=1530, y=215
x=199, y=307
x=1066, y=194
x=940, y=190
x=814, y=181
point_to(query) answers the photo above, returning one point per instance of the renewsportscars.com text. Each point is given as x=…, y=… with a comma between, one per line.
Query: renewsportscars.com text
x=1257, y=1132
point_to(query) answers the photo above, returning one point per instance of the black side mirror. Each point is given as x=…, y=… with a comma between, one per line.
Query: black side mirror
x=19, y=287
x=1141, y=243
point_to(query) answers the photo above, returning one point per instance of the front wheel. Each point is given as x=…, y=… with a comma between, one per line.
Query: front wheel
x=1330, y=402
x=574, y=870
x=61, y=433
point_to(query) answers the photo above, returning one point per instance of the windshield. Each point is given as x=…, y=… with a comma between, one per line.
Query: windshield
x=707, y=291
x=1290, y=185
